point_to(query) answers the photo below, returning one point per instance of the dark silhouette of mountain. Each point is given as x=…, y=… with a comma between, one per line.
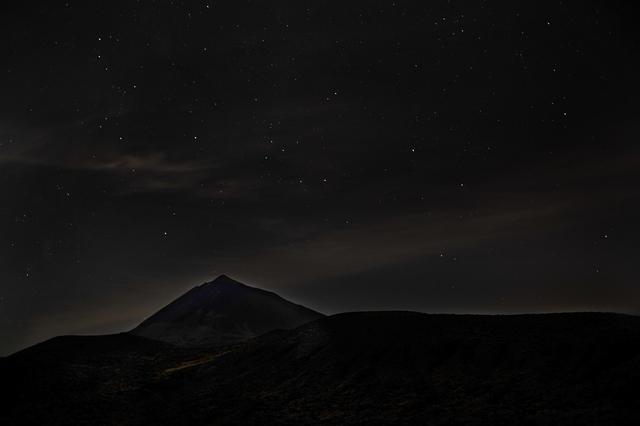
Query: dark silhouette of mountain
x=347, y=369
x=222, y=311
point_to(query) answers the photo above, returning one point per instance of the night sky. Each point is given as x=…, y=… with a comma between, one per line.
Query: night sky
x=441, y=156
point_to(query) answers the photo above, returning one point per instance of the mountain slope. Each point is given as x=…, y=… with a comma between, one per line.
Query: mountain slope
x=348, y=369
x=410, y=368
x=223, y=311
x=78, y=379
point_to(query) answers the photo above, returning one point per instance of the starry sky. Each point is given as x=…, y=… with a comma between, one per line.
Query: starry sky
x=441, y=156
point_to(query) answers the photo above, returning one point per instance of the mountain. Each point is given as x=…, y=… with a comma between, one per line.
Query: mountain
x=369, y=368
x=222, y=311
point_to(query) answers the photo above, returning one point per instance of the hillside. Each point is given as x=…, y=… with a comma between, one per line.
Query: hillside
x=356, y=368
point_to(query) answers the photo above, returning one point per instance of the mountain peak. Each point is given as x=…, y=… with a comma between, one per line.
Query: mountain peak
x=222, y=284
x=225, y=280
x=223, y=311
x=223, y=277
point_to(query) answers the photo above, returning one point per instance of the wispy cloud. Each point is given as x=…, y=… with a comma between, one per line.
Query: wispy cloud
x=361, y=247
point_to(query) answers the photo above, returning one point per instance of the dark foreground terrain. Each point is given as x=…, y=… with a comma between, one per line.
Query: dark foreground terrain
x=357, y=368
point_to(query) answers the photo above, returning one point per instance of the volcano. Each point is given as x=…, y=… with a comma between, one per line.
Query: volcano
x=220, y=312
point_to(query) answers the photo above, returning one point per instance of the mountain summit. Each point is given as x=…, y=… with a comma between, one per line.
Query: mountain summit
x=223, y=311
